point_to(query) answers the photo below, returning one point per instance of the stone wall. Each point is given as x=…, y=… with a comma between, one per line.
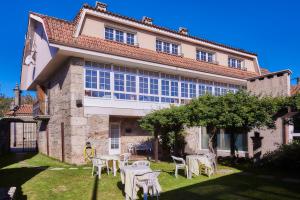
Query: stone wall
x=275, y=84
x=66, y=87
x=270, y=140
x=131, y=132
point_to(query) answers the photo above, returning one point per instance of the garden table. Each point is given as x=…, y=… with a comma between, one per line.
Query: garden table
x=128, y=175
x=113, y=158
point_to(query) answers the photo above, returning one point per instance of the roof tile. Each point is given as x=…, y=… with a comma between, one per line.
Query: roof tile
x=61, y=32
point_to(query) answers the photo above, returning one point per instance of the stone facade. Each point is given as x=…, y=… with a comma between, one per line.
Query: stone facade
x=65, y=88
x=131, y=132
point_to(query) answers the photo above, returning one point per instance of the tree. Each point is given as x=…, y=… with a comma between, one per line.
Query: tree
x=235, y=113
x=27, y=99
x=169, y=125
x=206, y=111
x=4, y=104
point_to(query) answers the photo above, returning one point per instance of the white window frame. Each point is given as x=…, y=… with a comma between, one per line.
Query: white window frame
x=125, y=32
x=206, y=52
x=163, y=42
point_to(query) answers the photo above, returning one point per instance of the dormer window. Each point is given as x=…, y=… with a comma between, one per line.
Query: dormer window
x=167, y=47
x=235, y=63
x=204, y=56
x=119, y=36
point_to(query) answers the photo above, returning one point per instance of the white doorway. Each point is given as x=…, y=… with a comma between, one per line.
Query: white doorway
x=114, y=139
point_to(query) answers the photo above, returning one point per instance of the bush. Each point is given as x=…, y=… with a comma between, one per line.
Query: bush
x=287, y=156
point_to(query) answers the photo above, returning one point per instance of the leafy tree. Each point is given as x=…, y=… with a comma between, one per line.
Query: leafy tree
x=27, y=99
x=235, y=113
x=4, y=104
x=168, y=124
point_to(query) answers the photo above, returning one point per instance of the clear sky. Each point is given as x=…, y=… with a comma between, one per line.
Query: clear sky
x=269, y=28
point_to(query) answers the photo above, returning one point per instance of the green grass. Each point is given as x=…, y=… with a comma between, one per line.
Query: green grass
x=41, y=183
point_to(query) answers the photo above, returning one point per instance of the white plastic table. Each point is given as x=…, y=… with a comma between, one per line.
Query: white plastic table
x=114, y=158
x=127, y=176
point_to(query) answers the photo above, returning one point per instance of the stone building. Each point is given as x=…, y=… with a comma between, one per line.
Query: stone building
x=96, y=75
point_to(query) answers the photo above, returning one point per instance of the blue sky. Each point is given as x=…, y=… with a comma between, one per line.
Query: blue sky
x=269, y=28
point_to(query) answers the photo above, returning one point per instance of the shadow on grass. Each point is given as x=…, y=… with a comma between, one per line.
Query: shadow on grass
x=236, y=186
x=95, y=188
x=16, y=177
x=12, y=158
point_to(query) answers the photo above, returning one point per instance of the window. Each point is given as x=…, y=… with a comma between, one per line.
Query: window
x=235, y=63
x=192, y=90
x=109, y=33
x=174, y=88
x=220, y=89
x=154, y=86
x=144, y=85
x=158, y=45
x=205, y=87
x=130, y=38
x=148, y=83
x=223, y=140
x=204, y=56
x=169, y=88
x=125, y=83
x=97, y=74
x=166, y=47
x=119, y=82
x=130, y=83
x=101, y=80
x=104, y=80
x=119, y=36
x=165, y=87
x=91, y=79
x=175, y=49
x=184, y=89
x=233, y=88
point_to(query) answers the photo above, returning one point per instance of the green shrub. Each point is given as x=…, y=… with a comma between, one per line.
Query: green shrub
x=287, y=156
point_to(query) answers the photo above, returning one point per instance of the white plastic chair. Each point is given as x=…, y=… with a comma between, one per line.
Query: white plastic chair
x=141, y=163
x=131, y=148
x=212, y=158
x=180, y=164
x=148, y=181
x=124, y=158
x=99, y=164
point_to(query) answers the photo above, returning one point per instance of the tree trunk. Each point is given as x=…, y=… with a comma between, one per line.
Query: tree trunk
x=155, y=148
x=211, y=141
x=232, y=145
x=212, y=146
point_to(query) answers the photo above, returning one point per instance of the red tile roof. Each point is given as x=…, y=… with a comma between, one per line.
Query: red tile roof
x=295, y=89
x=25, y=109
x=86, y=6
x=61, y=32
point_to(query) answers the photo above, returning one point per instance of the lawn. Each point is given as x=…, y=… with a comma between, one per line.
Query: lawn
x=35, y=180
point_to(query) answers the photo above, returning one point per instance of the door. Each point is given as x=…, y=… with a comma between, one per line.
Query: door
x=114, y=139
x=29, y=137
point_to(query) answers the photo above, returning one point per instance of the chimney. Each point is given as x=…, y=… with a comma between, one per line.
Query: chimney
x=100, y=6
x=183, y=31
x=17, y=100
x=147, y=20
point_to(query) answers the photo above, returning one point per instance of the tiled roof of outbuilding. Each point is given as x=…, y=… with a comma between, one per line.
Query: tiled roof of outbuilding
x=25, y=109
